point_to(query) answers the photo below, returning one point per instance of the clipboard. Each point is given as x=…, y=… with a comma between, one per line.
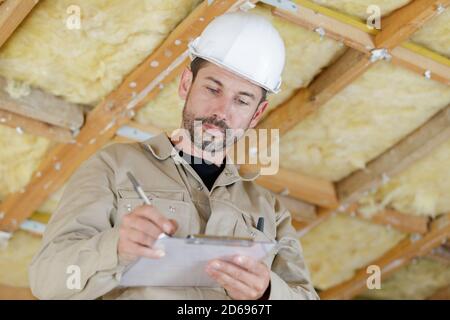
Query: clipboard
x=186, y=258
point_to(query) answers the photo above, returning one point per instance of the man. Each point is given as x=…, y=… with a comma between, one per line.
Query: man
x=101, y=226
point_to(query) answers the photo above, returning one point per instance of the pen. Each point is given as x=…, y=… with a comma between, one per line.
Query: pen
x=143, y=196
x=260, y=224
x=138, y=188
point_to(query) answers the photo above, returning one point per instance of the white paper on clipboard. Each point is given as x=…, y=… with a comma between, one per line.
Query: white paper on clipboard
x=184, y=263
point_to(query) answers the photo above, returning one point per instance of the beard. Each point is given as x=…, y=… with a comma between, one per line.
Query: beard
x=201, y=138
x=205, y=140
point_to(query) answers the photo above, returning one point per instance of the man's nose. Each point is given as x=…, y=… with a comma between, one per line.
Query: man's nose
x=221, y=108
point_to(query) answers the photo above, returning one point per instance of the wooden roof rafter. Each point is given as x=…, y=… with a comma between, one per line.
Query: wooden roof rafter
x=396, y=159
x=357, y=35
x=312, y=190
x=379, y=171
x=339, y=75
x=397, y=257
x=393, y=161
x=416, y=145
x=12, y=13
x=323, y=89
x=117, y=109
x=355, y=61
x=387, y=217
x=306, y=101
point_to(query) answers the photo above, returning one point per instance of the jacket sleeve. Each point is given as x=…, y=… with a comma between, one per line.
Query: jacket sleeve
x=80, y=237
x=289, y=277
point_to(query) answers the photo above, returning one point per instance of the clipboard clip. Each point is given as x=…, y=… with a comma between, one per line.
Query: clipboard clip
x=219, y=240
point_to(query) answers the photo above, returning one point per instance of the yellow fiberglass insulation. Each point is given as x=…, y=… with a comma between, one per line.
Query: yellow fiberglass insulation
x=436, y=34
x=19, y=158
x=416, y=281
x=306, y=55
x=339, y=246
x=15, y=258
x=358, y=8
x=372, y=114
x=422, y=189
x=163, y=111
x=83, y=65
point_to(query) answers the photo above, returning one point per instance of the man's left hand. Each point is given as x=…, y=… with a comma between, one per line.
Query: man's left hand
x=243, y=278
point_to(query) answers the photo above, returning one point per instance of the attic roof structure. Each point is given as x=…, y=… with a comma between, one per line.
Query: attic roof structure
x=364, y=119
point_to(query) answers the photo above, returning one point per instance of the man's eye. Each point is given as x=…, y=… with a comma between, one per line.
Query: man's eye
x=242, y=102
x=212, y=90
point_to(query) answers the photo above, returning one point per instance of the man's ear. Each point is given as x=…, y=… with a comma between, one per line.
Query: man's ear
x=185, y=83
x=258, y=114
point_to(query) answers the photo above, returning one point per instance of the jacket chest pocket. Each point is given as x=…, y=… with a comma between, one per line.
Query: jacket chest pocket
x=232, y=220
x=246, y=227
x=168, y=203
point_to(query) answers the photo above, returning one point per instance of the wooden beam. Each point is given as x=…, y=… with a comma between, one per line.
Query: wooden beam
x=393, y=260
x=299, y=186
x=43, y=107
x=355, y=34
x=402, y=222
x=352, y=32
x=299, y=210
x=330, y=82
x=116, y=110
x=402, y=23
x=30, y=126
x=307, y=100
x=422, y=61
x=396, y=159
x=303, y=227
x=346, y=69
x=112, y=113
x=12, y=13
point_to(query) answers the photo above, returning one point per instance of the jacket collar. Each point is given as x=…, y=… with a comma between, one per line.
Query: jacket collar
x=161, y=148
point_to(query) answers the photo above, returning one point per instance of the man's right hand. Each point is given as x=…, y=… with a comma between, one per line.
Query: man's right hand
x=139, y=231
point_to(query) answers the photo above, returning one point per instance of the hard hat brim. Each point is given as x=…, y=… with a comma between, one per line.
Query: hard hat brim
x=193, y=53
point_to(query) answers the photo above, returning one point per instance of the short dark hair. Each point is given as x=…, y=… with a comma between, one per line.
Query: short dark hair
x=199, y=63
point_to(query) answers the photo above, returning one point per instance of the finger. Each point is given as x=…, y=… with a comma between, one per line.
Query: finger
x=141, y=238
x=236, y=272
x=233, y=286
x=151, y=213
x=251, y=265
x=144, y=225
x=175, y=223
x=142, y=251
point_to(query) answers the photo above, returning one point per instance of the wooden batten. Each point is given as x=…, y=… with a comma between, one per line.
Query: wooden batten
x=43, y=107
x=24, y=125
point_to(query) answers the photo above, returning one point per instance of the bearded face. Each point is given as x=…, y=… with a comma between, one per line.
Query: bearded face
x=210, y=133
x=219, y=107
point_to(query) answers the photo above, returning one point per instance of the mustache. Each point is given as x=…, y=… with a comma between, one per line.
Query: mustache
x=214, y=121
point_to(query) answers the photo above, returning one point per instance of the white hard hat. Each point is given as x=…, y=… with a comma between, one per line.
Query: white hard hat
x=246, y=44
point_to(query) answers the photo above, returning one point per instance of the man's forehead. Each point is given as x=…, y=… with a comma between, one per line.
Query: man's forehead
x=211, y=71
